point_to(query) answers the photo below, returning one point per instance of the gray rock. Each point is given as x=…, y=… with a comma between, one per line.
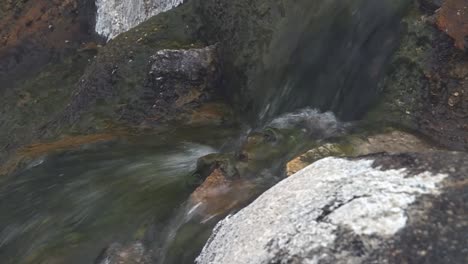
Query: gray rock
x=182, y=77
x=406, y=208
x=116, y=16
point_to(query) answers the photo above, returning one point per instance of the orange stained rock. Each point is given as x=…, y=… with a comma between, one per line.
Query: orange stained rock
x=218, y=195
x=452, y=18
x=37, y=150
x=50, y=22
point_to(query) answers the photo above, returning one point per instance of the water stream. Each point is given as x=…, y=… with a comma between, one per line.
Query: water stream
x=67, y=207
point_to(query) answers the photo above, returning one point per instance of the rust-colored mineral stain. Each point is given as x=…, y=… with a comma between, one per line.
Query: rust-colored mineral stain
x=218, y=195
x=452, y=18
x=69, y=142
x=50, y=22
x=37, y=150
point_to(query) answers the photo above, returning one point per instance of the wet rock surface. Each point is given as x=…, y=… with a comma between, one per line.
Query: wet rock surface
x=231, y=180
x=166, y=71
x=282, y=56
x=393, y=141
x=34, y=33
x=86, y=93
x=452, y=19
x=404, y=208
x=134, y=253
x=426, y=86
x=118, y=84
x=115, y=87
x=181, y=79
x=218, y=195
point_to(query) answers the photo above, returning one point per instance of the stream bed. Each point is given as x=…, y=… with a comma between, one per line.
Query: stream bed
x=68, y=207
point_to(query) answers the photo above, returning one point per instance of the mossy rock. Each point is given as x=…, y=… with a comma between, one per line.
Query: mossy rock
x=389, y=140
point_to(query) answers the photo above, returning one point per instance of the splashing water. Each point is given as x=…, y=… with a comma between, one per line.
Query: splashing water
x=317, y=124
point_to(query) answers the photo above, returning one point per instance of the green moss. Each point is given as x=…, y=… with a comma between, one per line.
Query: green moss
x=403, y=86
x=31, y=103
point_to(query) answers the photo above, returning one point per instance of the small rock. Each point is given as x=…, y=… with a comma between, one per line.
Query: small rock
x=116, y=253
x=218, y=195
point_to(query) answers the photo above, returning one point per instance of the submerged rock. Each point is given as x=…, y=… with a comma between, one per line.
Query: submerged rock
x=218, y=195
x=116, y=253
x=404, y=208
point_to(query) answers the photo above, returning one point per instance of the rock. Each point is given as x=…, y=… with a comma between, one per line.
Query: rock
x=80, y=93
x=452, y=18
x=116, y=16
x=283, y=57
x=215, y=113
x=395, y=141
x=313, y=155
x=218, y=195
x=405, y=208
x=182, y=77
x=134, y=253
x=425, y=73
x=431, y=5
x=27, y=40
x=33, y=153
x=226, y=162
x=391, y=142
x=178, y=82
x=223, y=188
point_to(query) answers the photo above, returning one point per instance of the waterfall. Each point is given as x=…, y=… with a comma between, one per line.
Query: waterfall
x=117, y=16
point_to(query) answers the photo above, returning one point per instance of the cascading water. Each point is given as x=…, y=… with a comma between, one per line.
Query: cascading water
x=116, y=16
x=325, y=55
x=329, y=55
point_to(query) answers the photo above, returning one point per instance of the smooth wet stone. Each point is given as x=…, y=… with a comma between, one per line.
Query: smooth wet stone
x=405, y=208
x=219, y=194
x=311, y=156
x=116, y=253
x=395, y=141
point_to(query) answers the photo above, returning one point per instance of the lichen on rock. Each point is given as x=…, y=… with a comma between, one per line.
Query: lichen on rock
x=116, y=16
x=340, y=210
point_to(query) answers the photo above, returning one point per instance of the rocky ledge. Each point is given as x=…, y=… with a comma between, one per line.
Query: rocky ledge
x=402, y=208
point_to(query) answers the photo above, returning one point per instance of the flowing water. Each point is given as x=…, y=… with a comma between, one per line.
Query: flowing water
x=329, y=55
x=67, y=207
